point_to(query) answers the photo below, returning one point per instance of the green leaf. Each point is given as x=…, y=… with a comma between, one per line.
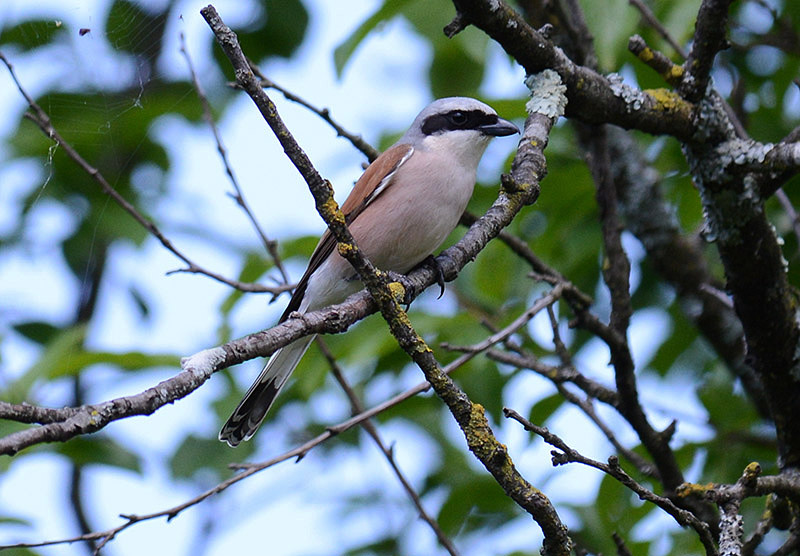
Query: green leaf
x=282, y=33
x=132, y=29
x=544, y=408
x=253, y=268
x=611, y=23
x=129, y=361
x=197, y=454
x=32, y=34
x=344, y=51
x=99, y=450
x=453, y=72
x=15, y=521
x=64, y=344
x=479, y=502
x=287, y=22
x=37, y=331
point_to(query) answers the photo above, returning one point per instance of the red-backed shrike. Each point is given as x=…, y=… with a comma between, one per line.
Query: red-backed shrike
x=401, y=209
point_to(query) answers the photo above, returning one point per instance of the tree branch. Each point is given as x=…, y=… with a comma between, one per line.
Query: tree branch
x=388, y=452
x=41, y=119
x=709, y=38
x=270, y=246
x=652, y=20
x=470, y=417
x=356, y=140
x=593, y=98
x=756, y=277
x=298, y=452
x=564, y=454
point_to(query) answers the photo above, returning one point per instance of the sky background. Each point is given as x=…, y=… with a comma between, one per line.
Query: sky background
x=381, y=90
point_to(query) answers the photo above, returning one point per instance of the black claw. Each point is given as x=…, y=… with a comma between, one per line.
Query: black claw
x=431, y=261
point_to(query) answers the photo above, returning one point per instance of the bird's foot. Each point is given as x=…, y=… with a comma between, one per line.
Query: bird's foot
x=431, y=261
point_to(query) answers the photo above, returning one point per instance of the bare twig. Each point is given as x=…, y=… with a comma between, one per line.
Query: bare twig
x=543, y=302
x=564, y=454
x=586, y=405
x=388, y=452
x=652, y=20
x=790, y=211
x=661, y=64
x=356, y=140
x=622, y=548
x=41, y=119
x=249, y=469
x=709, y=38
x=271, y=246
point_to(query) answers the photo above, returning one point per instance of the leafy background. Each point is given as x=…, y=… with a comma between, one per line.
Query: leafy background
x=88, y=312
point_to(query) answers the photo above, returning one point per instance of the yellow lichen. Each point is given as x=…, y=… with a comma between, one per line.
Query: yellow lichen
x=646, y=55
x=667, y=100
x=345, y=249
x=752, y=470
x=398, y=291
x=675, y=73
x=690, y=489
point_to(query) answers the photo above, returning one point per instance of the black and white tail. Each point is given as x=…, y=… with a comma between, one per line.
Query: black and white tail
x=250, y=412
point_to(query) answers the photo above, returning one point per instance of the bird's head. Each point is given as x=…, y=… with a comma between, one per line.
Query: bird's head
x=460, y=125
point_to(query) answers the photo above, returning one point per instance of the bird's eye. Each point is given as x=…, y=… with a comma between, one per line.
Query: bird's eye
x=458, y=118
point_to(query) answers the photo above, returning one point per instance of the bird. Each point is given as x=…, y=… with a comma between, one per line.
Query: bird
x=399, y=212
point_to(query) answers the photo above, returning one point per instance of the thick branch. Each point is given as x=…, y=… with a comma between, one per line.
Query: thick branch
x=756, y=278
x=709, y=39
x=679, y=259
x=470, y=417
x=616, y=274
x=593, y=98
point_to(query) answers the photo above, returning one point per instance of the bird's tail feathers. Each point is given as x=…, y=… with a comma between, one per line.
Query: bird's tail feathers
x=250, y=412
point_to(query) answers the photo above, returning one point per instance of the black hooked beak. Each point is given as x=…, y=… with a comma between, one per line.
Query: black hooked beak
x=500, y=128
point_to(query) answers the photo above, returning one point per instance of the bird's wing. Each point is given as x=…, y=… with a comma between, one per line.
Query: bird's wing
x=374, y=181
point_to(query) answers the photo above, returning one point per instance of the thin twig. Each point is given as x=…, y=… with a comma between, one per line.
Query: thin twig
x=298, y=452
x=356, y=140
x=586, y=405
x=652, y=20
x=543, y=302
x=270, y=245
x=790, y=211
x=564, y=454
x=357, y=408
x=41, y=119
x=657, y=61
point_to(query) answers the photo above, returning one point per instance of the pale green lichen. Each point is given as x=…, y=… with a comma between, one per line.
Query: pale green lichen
x=548, y=94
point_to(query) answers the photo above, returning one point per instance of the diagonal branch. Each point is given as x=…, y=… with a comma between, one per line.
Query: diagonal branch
x=470, y=417
x=652, y=21
x=593, y=98
x=388, y=452
x=709, y=39
x=247, y=470
x=564, y=454
x=356, y=140
x=271, y=246
x=41, y=119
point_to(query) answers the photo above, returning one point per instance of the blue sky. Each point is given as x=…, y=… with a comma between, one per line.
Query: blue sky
x=278, y=508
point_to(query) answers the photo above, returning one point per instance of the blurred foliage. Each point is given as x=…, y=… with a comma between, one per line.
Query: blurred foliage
x=112, y=124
